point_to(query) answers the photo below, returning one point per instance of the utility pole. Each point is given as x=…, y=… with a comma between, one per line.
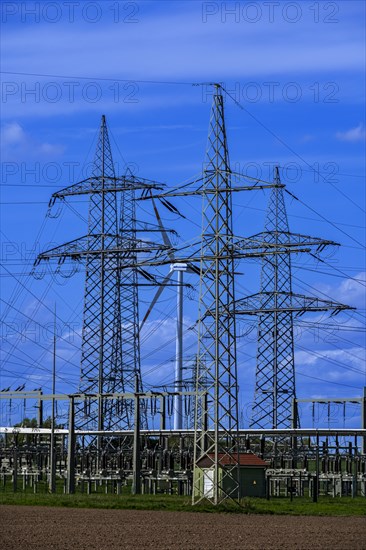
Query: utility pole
x=316, y=478
x=363, y=420
x=136, y=483
x=70, y=482
x=178, y=409
x=52, y=466
x=40, y=410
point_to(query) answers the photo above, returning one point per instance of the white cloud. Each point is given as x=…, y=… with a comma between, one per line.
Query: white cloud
x=17, y=144
x=164, y=331
x=353, y=357
x=308, y=138
x=351, y=292
x=13, y=133
x=305, y=358
x=354, y=134
x=171, y=45
x=179, y=45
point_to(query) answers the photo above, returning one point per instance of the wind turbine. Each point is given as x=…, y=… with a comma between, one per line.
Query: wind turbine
x=180, y=268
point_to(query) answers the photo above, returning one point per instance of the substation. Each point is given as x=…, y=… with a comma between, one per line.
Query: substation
x=118, y=438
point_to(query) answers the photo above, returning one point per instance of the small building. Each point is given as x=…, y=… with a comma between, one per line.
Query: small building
x=252, y=473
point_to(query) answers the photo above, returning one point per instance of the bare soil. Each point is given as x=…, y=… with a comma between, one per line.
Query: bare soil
x=24, y=527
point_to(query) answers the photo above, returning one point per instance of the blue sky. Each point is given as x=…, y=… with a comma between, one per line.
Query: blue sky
x=297, y=69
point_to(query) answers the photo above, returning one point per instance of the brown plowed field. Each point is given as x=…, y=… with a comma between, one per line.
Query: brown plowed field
x=24, y=527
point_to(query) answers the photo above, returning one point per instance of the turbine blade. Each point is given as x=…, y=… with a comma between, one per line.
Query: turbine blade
x=193, y=269
x=164, y=234
x=156, y=298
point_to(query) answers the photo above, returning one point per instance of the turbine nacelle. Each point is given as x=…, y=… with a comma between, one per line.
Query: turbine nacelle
x=178, y=267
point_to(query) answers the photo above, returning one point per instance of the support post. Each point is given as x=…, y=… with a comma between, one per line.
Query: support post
x=52, y=465
x=294, y=426
x=15, y=467
x=136, y=483
x=71, y=449
x=40, y=411
x=162, y=412
x=316, y=479
x=354, y=476
x=363, y=420
x=205, y=420
x=179, y=353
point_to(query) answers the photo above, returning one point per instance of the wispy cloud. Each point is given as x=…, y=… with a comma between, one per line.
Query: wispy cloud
x=17, y=144
x=358, y=133
x=174, y=44
x=180, y=45
x=351, y=291
x=354, y=290
x=354, y=357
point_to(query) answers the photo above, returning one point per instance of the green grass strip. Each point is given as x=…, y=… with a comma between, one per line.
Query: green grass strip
x=326, y=506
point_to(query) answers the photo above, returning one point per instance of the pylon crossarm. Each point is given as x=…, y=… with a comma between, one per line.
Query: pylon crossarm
x=265, y=302
x=234, y=248
x=237, y=255
x=151, y=228
x=208, y=177
x=251, y=244
x=203, y=191
x=283, y=240
x=107, y=184
x=90, y=245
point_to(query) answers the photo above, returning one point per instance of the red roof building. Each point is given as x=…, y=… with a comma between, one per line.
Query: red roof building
x=249, y=460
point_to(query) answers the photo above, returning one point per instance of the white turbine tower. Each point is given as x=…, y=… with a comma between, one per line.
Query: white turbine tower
x=180, y=268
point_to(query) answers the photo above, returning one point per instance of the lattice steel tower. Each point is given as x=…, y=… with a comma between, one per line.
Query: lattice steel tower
x=110, y=351
x=101, y=358
x=216, y=430
x=275, y=372
x=275, y=307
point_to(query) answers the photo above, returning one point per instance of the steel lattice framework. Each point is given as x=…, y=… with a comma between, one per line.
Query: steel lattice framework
x=216, y=327
x=101, y=358
x=110, y=353
x=275, y=306
x=275, y=373
x=128, y=284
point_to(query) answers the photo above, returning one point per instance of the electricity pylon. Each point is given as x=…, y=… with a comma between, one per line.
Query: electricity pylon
x=101, y=358
x=275, y=307
x=110, y=356
x=216, y=424
x=216, y=451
